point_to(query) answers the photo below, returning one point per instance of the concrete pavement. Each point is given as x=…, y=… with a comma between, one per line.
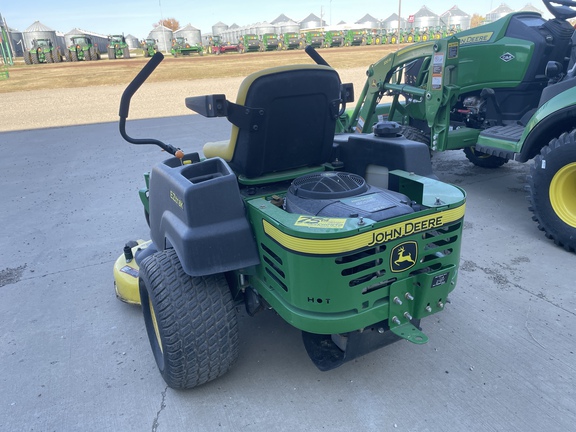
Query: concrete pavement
x=72, y=357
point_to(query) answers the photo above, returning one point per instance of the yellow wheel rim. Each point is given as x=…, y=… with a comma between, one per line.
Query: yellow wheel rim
x=155, y=324
x=563, y=194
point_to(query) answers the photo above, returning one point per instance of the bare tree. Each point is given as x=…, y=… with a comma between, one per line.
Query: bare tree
x=171, y=23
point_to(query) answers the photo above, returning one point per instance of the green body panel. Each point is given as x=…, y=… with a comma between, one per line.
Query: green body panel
x=355, y=38
x=270, y=41
x=334, y=38
x=291, y=40
x=251, y=42
x=452, y=68
x=314, y=38
x=117, y=43
x=321, y=291
x=181, y=47
x=80, y=44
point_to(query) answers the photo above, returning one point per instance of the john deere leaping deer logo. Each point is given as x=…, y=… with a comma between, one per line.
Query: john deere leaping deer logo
x=403, y=256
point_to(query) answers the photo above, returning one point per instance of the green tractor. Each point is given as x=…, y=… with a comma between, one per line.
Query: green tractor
x=82, y=49
x=117, y=47
x=270, y=42
x=313, y=38
x=352, y=241
x=291, y=40
x=43, y=51
x=503, y=91
x=181, y=47
x=250, y=43
x=334, y=38
x=355, y=38
x=149, y=47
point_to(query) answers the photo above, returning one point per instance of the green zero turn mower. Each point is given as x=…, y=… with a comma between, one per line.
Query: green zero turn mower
x=352, y=241
x=503, y=91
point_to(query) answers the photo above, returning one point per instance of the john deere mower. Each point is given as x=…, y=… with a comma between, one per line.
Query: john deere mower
x=503, y=91
x=352, y=242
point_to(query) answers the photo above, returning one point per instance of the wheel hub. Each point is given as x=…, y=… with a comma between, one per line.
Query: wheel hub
x=562, y=193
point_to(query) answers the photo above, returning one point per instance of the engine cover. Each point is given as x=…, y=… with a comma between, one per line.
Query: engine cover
x=341, y=194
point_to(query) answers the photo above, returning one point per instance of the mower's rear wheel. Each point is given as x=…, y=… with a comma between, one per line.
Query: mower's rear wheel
x=191, y=321
x=482, y=159
x=552, y=190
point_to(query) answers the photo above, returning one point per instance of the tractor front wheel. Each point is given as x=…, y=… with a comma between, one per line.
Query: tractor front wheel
x=414, y=134
x=552, y=190
x=482, y=159
x=191, y=321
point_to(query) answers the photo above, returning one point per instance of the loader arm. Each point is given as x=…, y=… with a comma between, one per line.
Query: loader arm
x=424, y=75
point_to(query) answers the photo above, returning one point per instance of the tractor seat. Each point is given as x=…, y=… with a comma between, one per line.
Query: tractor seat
x=292, y=111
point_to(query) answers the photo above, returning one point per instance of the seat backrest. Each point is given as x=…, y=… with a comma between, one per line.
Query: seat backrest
x=300, y=105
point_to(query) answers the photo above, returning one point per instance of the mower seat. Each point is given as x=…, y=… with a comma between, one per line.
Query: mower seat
x=295, y=107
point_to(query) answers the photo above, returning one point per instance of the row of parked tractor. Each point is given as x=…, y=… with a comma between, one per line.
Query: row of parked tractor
x=81, y=48
x=253, y=42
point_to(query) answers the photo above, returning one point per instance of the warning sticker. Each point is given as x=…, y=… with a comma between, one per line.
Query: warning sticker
x=129, y=270
x=436, y=83
x=320, y=222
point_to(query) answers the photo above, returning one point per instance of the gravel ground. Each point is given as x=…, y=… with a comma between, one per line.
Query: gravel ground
x=75, y=106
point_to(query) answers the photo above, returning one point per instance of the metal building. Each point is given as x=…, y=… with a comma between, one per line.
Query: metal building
x=529, y=8
x=132, y=41
x=219, y=28
x=455, y=17
x=393, y=22
x=39, y=31
x=312, y=22
x=500, y=12
x=425, y=18
x=164, y=36
x=192, y=35
x=99, y=40
x=367, y=22
x=264, y=27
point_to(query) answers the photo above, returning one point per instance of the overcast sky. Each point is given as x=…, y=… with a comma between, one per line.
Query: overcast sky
x=137, y=17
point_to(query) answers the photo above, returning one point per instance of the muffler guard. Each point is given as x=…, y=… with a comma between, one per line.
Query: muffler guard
x=328, y=352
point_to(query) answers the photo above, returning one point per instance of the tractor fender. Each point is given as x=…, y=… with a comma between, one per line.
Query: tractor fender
x=555, y=117
x=197, y=209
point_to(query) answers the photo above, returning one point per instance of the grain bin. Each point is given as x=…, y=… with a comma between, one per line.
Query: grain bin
x=219, y=28
x=454, y=17
x=38, y=31
x=500, y=12
x=164, y=37
x=288, y=27
x=393, y=22
x=425, y=18
x=367, y=22
x=132, y=41
x=312, y=22
x=264, y=27
x=192, y=35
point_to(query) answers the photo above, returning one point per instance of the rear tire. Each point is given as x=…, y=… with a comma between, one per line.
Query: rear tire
x=483, y=160
x=552, y=190
x=73, y=56
x=34, y=57
x=27, y=58
x=126, y=52
x=191, y=321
